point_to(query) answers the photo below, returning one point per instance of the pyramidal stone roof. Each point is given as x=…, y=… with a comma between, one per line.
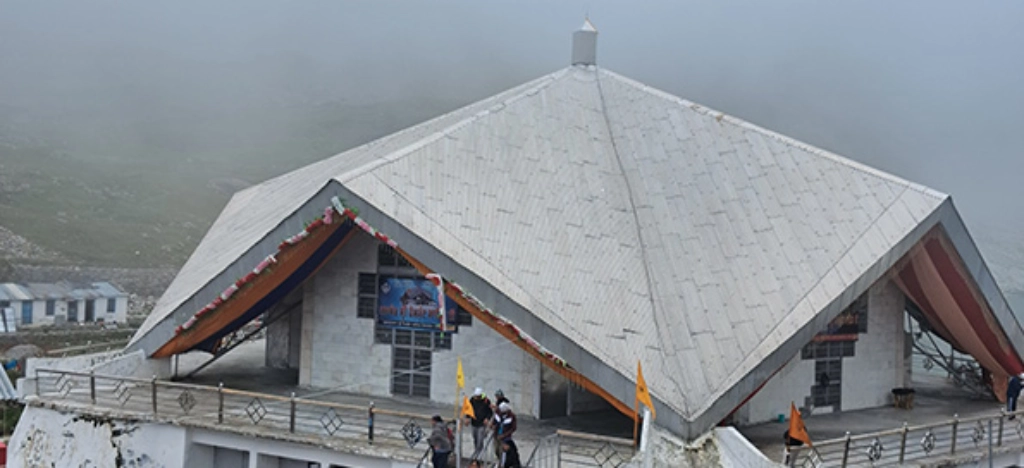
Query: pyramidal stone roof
x=613, y=222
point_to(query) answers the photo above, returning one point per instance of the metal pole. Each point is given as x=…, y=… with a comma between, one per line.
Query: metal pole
x=458, y=441
x=1002, y=415
x=956, y=422
x=291, y=415
x=369, y=429
x=220, y=403
x=153, y=383
x=846, y=450
x=92, y=386
x=990, y=443
x=903, y=442
x=645, y=437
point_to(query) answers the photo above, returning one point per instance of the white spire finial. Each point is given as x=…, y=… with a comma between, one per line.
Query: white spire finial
x=584, y=44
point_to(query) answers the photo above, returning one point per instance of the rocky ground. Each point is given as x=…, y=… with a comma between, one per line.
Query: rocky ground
x=23, y=261
x=14, y=248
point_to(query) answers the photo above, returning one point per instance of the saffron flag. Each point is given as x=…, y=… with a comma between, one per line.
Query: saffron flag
x=797, y=430
x=642, y=395
x=460, y=380
x=467, y=408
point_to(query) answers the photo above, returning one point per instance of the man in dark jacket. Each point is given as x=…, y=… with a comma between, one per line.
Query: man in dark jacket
x=1012, y=393
x=441, y=443
x=481, y=415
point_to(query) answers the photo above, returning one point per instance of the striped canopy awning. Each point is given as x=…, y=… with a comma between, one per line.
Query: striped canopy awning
x=934, y=276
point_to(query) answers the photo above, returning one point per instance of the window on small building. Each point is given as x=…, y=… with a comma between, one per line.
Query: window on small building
x=463, y=318
x=367, y=305
x=51, y=307
x=111, y=305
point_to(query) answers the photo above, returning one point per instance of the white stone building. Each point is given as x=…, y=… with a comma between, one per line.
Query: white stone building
x=580, y=224
x=34, y=304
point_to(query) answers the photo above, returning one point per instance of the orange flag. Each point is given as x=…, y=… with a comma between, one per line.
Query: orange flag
x=797, y=430
x=642, y=395
x=467, y=408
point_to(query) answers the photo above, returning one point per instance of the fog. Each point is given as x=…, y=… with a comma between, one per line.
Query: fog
x=930, y=91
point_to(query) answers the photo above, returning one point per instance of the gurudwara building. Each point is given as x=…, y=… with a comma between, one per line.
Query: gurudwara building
x=554, y=236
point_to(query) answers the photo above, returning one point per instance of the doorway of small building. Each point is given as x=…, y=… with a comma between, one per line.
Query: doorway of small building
x=90, y=310
x=72, y=311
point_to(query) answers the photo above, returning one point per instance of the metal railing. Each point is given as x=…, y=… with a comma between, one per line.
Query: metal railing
x=974, y=435
x=401, y=433
x=568, y=448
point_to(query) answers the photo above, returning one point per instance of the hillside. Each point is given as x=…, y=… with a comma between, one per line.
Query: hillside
x=124, y=193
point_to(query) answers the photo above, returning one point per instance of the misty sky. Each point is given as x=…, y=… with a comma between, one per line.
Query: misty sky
x=931, y=91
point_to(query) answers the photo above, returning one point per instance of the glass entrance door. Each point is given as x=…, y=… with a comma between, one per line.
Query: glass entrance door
x=410, y=363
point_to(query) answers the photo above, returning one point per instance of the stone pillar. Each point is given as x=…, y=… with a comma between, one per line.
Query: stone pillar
x=306, y=336
x=277, y=342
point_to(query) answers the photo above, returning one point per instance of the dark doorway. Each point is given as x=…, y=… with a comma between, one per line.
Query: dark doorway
x=90, y=310
x=72, y=311
x=554, y=394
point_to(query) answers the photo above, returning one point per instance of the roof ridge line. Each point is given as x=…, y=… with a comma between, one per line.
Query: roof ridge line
x=814, y=150
x=529, y=89
x=645, y=258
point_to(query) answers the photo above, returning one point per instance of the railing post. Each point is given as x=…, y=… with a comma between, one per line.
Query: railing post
x=92, y=386
x=846, y=449
x=558, y=449
x=153, y=383
x=990, y=442
x=956, y=422
x=39, y=383
x=1002, y=415
x=220, y=403
x=903, y=442
x=369, y=424
x=291, y=415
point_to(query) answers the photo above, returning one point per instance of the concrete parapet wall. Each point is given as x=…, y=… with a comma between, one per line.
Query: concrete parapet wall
x=735, y=451
x=46, y=437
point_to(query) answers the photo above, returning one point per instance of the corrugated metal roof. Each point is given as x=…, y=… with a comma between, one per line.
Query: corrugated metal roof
x=14, y=292
x=61, y=290
x=639, y=225
x=105, y=289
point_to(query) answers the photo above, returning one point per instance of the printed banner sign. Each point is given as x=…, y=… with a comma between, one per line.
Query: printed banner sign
x=412, y=303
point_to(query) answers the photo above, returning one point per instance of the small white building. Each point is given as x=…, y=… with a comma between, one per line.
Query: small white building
x=35, y=304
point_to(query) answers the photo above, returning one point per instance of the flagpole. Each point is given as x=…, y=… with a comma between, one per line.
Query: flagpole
x=645, y=439
x=636, y=420
x=458, y=437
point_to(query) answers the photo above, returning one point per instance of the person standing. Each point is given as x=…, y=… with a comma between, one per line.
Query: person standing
x=440, y=442
x=1012, y=393
x=482, y=413
x=499, y=398
x=505, y=426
